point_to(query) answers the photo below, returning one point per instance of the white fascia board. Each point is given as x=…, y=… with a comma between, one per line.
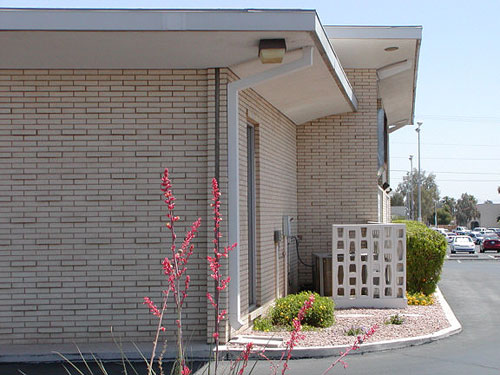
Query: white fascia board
x=374, y=32
x=336, y=67
x=415, y=76
x=179, y=20
x=156, y=20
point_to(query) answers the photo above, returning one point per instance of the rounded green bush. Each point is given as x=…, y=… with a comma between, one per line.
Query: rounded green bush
x=425, y=252
x=287, y=308
x=263, y=324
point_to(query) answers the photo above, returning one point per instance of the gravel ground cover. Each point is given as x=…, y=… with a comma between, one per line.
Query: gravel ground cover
x=418, y=321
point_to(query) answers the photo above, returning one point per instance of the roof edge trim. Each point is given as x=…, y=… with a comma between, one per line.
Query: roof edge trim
x=374, y=32
x=415, y=76
x=155, y=20
x=337, y=69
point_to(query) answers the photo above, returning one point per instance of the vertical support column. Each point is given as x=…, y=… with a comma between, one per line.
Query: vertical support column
x=400, y=261
x=375, y=244
x=339, y=261
x=388, y=263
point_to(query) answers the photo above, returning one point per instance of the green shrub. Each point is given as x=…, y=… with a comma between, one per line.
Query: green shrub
x=395, y=319
x=425, y=252
x=354, y=331
x=287, y=308
x=263, y=324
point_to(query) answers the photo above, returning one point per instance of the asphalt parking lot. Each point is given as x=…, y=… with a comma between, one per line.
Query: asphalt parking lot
x=488, y=255
x=471, y=289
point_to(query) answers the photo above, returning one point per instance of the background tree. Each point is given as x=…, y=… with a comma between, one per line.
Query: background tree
x=397, y=199
x=443, y=216
x=430, y=193
x=466, y=209
x=449, y=204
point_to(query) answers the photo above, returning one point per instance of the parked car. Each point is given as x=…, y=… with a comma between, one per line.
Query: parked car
x=488, y=235
x=441, y=230
x=462, y=244
x=476, y=237
x=491, y=242
x=450, y=236
x=479, y=229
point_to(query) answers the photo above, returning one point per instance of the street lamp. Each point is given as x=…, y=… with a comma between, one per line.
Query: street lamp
x=410, y=185
x=419, y=182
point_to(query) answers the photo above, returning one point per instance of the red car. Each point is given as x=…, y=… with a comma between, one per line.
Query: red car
x=490, y=243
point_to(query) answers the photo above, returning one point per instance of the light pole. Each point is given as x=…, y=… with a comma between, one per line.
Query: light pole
x=411, y=188
x=419, y=175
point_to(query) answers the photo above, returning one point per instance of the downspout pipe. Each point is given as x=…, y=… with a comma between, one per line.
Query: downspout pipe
x=233, y=90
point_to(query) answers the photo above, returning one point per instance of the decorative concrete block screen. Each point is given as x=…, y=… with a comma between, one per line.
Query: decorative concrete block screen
x=369, y=265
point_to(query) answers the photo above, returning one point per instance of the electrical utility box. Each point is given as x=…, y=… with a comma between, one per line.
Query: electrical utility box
x=287, y=226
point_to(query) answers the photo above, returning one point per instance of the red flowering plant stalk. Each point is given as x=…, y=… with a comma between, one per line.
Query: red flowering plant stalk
x=215, y=266
x=296, y=335
x=359, y=340
x=242, y=360
x=174, y=268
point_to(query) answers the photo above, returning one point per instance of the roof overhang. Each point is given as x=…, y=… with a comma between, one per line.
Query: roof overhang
x=364, y=47
x=189, y=39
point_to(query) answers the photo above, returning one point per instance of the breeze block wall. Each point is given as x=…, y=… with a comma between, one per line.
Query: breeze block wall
x=81, y=212
x=337, y=170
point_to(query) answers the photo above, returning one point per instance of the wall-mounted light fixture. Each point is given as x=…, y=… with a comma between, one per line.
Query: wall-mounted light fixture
x=272, y=51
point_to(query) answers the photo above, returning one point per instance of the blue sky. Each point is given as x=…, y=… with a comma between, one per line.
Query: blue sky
x=458, y=87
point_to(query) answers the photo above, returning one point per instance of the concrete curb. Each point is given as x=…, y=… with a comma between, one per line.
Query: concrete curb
x=328, y=351
x=466, y=258
x=107, y=352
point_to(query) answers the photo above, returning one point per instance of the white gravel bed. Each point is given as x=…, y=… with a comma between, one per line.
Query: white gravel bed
x=418, y=321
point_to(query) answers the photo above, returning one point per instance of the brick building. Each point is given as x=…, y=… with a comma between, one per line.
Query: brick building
x=95, y=104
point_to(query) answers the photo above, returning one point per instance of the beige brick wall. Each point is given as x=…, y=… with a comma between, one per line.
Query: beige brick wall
x=276, y=163
x=81, y=215
x=81, y=156
x=337, y=169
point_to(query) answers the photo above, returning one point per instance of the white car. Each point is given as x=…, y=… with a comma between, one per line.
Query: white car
x=441, y=230
x=462, y=243
x=450, y=236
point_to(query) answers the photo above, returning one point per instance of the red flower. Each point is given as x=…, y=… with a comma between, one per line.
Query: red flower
x=244, y=356
x=296, y=336
x=355, y=346
x=175, y=268
x=152, y=307
x=214, y=261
